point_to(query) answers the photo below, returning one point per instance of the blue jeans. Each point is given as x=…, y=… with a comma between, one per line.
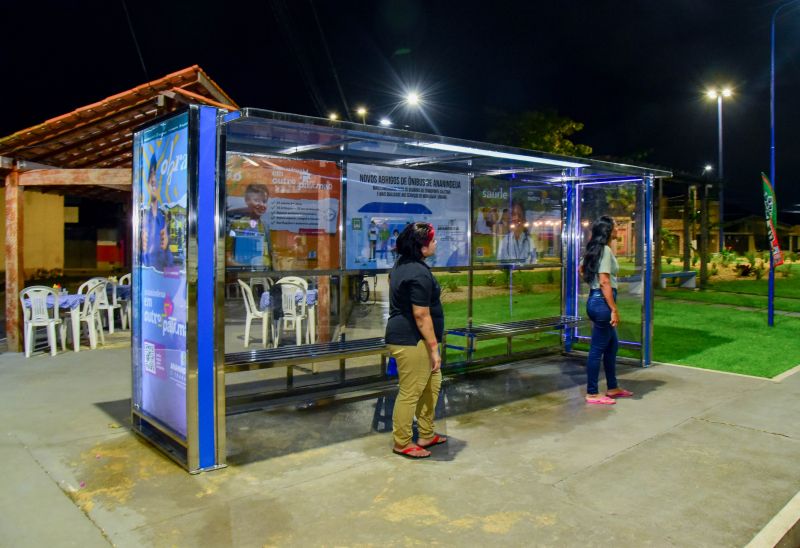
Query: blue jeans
x=604, y=342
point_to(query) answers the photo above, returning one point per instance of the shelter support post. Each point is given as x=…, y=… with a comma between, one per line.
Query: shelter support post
x=571, y=238
x=15, y=272
x=647, y=272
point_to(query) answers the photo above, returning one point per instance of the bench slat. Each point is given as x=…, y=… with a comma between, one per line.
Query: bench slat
x=514, y=328
x=289, y=355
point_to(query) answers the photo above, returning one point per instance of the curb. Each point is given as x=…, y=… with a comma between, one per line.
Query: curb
x=783, y=530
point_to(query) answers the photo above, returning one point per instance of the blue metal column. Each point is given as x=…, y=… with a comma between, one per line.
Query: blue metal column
x=647, y=271
x=206, y=210
x=570, y=238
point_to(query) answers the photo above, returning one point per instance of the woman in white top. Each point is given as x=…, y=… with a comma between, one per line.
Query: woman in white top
x=599, y=269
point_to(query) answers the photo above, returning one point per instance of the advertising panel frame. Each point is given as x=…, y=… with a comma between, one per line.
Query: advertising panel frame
x=203, y=446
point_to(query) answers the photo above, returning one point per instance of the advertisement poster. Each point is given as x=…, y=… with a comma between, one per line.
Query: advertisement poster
x=160, y=268
x=382, y=200
x=282, y=214
x=514, y=224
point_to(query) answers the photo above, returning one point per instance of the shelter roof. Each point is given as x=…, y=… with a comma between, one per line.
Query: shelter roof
x=279, y=134
x=100, y=135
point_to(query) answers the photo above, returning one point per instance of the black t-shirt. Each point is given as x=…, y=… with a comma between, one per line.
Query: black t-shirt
x=412, y=283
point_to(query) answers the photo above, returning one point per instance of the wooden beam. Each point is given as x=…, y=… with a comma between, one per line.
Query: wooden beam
x=124, y=160
x=15, y=273
x=202, y=99
x=76, y=177
x=96, y=158
x=82, y=140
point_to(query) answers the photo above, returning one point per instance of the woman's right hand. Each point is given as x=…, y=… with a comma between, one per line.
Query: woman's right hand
x=436, y=360
x=614, y=318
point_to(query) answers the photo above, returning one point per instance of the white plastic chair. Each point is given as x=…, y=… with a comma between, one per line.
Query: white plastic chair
x=105, y=305
x=88, y=313
x=84, y=288
x=265, y=284
x=37, y=314
x=252, y=312
x=293, y=312
x=125, y=311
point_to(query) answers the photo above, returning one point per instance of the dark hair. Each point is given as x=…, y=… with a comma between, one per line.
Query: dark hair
x=601, y=234
x=518, y=202
x=410, y=242
x=255, y=188
x=152, y=169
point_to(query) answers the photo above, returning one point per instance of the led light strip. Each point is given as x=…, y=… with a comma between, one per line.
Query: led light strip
x=493, y=154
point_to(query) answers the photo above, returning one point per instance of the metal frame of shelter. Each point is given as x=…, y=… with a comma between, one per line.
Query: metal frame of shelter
x=212, y=133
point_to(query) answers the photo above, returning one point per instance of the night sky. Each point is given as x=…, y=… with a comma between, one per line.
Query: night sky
x=634, y=72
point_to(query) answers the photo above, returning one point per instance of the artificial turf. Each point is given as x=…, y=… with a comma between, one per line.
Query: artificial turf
x=723, y=339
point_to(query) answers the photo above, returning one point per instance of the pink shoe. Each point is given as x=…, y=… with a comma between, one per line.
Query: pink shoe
x=600, y=400
x=621, y=394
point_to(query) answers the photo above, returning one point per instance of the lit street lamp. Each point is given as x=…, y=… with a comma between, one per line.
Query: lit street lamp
x=362, y=112
x=718, y=95
x=412, y=98
x=333, y=116
x=385, y=122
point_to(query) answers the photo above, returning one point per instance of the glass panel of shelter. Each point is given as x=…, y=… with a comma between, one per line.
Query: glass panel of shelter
x=623, y=202
x=284, y=219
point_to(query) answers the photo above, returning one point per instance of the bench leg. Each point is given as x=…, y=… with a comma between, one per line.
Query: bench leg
x=290, y=376
x=342, y=369
x=690, y=283
x=663, y=283
x=508, y=346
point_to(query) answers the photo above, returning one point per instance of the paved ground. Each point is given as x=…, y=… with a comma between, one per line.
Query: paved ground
x=697, y=458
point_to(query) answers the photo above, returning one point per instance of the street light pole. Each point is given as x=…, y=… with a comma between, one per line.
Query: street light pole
x=771, y=299
x=718, y=95
x=719, y=137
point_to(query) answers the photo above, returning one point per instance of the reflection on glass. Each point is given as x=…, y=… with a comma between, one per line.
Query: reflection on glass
x=515, y=223
x=622, y=202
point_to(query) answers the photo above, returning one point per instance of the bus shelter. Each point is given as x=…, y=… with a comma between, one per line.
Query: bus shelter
x=262, y=243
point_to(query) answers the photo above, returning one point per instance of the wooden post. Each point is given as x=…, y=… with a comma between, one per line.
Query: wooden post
x=15, y=273
x=702, y=244
x=688, y=212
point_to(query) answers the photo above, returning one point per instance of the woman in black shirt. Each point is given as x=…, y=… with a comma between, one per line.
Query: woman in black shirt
x=413, y=333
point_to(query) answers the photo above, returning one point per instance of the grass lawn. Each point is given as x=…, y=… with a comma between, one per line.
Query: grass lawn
x=688, y=334
x=725, y=339
x=745, y=292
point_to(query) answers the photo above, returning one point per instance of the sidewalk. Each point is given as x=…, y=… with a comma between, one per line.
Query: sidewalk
x=697, y=458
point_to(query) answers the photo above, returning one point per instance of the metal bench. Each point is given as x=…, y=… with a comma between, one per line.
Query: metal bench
x=507, y=330
x=290, y=356
x=688, y=278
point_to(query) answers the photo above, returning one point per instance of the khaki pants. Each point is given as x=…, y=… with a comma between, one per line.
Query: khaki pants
x=419, y=391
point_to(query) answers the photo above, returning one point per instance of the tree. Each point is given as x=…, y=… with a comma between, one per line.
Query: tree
x=545, y=131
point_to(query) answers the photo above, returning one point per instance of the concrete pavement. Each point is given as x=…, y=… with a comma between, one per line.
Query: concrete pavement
x=696, y=458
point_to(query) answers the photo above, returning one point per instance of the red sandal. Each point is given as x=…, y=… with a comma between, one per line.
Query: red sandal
x=600, y=400
x=408, y=450
x=435, y=440
x=621, y=394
